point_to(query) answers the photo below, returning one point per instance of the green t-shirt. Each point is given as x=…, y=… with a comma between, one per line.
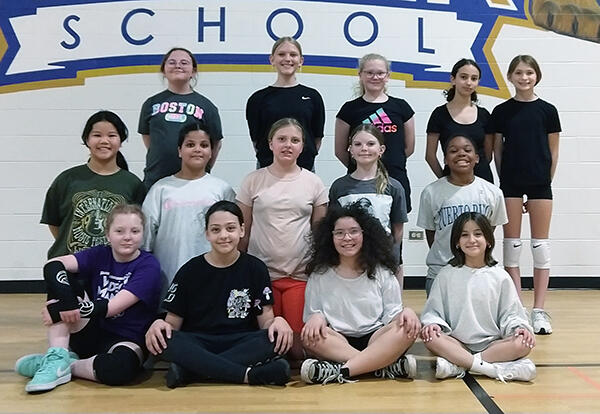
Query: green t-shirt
x=78, y=202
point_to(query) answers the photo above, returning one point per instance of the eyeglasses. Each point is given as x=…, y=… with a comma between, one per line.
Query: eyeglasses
x=353, y=232
x=370, y=74
x=173, y=62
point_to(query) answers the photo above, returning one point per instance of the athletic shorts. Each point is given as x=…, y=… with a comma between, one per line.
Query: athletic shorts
x=359, y=342
x=533, y=192
x=93, y=340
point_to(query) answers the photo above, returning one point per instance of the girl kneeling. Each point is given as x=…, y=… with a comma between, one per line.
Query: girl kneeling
x=473, y=318
x=107, y=329
x=353, y=308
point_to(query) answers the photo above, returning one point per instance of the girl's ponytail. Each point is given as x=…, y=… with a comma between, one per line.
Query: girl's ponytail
x=381, y=178
x=121, y=162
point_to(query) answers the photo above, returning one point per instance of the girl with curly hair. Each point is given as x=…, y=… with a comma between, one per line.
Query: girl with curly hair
x=353, y=310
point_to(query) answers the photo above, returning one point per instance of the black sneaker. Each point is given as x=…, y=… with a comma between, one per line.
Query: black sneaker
x=275, y=372
x=404, y=367
x=314, y=371
x=176, y=376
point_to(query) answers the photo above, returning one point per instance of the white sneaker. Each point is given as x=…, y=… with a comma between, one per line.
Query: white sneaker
x=446, y=369
x=541, y=322
x=519, y=370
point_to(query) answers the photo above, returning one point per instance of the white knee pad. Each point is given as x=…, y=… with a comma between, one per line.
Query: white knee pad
x=512, y=252
x=540, y=250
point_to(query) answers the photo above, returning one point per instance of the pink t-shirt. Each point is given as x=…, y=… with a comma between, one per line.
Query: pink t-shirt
x=281, y=213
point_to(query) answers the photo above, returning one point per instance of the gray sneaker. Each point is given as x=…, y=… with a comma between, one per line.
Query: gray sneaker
x=314, y=371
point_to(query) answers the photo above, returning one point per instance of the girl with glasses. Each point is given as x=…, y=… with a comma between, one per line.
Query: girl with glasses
x=392, y=116
x=355, y=320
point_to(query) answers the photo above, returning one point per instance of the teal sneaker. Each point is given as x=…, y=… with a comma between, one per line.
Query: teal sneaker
x=29, y=364
x=55, y=369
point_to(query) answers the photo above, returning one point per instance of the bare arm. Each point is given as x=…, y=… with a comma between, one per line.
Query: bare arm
x=279, y=330
x=53, y=231
x=247, y=212
x=430, y=236
x=431, y=153
x=121, y=301
x=342, y=132
x=409, y=137
x=488, y=146
x=317, y=214
x=174, y=320
x=498, y=152
x=146, y=140
x=318, y=143
x=397, y=232
x=215, y=153
x=553, y=143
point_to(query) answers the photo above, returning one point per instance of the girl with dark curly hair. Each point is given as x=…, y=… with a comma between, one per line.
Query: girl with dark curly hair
x=353, y=310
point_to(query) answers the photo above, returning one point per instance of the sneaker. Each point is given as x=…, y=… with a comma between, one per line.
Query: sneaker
x=519, y=370
x=28, y=365
x=176, y=376
x=54, y=370
x=276, y=372
x=404, y=367
x=541, y=322
x=314, y=371
x=446, y=369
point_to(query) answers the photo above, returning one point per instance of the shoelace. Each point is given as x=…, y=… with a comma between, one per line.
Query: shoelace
x=328, y=372
x=395, y=370
x=46, y=360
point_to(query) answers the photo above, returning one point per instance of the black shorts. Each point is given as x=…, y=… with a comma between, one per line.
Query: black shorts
x=533, y=192
x=359, y=342
x=93, y=340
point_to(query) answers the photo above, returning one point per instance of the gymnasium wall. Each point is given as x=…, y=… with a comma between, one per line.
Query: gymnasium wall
x=60, y=61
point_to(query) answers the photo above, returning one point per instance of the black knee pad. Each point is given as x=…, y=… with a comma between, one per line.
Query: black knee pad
x=119, y=367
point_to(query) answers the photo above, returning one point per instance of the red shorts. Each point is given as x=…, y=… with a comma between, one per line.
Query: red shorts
x=288, y=295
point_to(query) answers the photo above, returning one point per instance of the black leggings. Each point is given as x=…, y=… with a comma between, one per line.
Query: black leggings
x=223, y=357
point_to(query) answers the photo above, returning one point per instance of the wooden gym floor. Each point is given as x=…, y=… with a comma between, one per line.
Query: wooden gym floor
x=568, y=376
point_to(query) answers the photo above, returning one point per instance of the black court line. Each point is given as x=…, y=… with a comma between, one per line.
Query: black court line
x=566, y=365
x=482, y=396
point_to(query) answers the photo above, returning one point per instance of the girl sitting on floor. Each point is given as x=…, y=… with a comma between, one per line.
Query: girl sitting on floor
x=473, y=318
x=353, y=308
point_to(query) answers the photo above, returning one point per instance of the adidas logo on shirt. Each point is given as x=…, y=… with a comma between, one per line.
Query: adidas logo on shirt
x=382, y=121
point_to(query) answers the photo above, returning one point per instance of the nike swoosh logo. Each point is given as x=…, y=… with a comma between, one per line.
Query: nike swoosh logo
x=515, y=245
x=304, y=98
x=60, y=372
x=535, y=246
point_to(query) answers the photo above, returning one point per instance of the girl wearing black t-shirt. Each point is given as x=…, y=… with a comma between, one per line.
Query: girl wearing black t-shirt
x=526, y=132
x=286, y=98
x=461, y=115
x=393, y=116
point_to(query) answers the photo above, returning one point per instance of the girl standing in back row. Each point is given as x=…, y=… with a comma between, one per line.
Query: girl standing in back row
x=461, y=115
x=286, y=98
x=393, y=116
x=526, y=132
x=163, y=115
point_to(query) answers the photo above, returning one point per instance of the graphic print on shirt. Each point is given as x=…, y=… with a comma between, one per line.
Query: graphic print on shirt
x=447, y=214
x=90, y=209
x=382, y=121
x=171, y=292
x=110, y=285
x=177, y=111
x=238, y=303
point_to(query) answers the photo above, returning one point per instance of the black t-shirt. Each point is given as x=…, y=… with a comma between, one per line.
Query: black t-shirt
x=220, y=300
x=441, y=122
x=526, y=157
x=389, y=117
x=273, y=103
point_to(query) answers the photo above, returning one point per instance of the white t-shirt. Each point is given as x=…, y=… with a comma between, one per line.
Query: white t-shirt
x=281, y=219
x=442, y=202
x=175, y=209
x=353, y=307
